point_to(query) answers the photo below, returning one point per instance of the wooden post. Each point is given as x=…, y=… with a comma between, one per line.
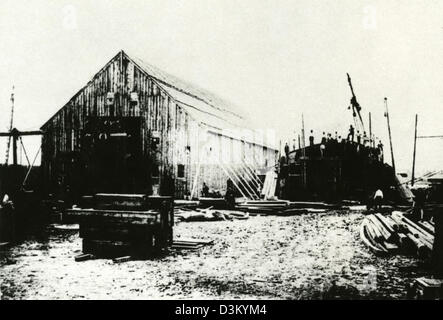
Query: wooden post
x=390, y=136
x=370, y=130
x=415, y=148
x=14, y=146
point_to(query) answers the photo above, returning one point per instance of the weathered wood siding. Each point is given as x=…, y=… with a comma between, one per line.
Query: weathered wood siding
x=185, y=144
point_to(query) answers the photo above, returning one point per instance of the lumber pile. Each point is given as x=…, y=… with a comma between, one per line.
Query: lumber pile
x=190, y=244
x=263, y=207
x=125, y=225
x=217, y=203
x=208, y=214
x=185, y=204
x=397, y=233
x=283, y=207
x=427, y=289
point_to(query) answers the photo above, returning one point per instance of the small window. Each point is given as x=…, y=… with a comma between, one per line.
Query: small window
x=180, y=171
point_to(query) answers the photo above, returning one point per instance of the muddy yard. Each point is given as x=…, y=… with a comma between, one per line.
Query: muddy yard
x=311, y=256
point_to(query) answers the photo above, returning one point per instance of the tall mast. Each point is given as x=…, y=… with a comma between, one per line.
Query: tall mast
x=415, y=146
x=11, y=125
x=358, y=120
x=304, y=148
x=303, y=130
x=370, y=130
x=390, y=136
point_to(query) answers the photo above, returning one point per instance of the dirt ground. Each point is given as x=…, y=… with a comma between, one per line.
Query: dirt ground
x=311, y=256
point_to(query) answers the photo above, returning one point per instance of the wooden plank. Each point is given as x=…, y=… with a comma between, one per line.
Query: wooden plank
x=121, y=259
x=131, y=217
x=121, y=201
x=83, y=257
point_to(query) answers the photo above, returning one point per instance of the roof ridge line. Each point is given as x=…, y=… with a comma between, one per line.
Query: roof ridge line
x=179, y=89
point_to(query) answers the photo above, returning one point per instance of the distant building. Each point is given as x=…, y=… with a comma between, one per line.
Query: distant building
x=136, y=129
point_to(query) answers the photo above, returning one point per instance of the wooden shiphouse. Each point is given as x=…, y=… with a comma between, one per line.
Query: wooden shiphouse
x=136, y=129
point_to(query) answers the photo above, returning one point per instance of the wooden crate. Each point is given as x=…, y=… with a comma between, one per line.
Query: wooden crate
x=144, y=229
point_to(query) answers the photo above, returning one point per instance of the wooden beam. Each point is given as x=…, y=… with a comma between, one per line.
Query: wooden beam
x=415, y=148
x=20, y=133
x=390, y=136
x=427, y=137
x=229, y=176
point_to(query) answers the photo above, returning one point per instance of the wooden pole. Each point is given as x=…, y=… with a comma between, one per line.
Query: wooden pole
x=14, y=148
x=303, y=130
x=415, y=148
x=370, y=130
x=304, y=149
x=11, y=125
x=390, y=136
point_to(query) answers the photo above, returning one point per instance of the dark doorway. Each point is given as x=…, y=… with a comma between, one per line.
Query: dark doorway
x=113, y=163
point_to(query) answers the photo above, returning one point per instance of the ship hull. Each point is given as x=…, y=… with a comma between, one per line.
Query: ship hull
x=335, y=172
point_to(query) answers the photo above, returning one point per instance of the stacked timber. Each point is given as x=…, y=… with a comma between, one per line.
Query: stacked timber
x=185, y=204
x=208, y=214
x=397, y=233
x=125, y=225
x=263, y=207
x=427, y=289
x=283, y=207
x=190, y=244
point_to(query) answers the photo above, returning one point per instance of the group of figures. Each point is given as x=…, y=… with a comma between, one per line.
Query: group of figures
x=337, y=146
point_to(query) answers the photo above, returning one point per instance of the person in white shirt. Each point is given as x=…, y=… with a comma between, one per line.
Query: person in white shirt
x=378, y=199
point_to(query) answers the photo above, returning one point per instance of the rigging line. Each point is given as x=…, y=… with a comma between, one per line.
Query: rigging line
x=424, y=137
x=31, y=166
x=24, y=151
x=422, y=177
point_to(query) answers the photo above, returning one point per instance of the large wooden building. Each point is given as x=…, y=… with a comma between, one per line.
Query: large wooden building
x=136, y=129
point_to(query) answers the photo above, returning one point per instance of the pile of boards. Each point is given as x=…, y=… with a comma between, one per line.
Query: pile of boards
x=283, y=207
x=186, y=204
x=396, y=233
x=427, y=289
x=214, y=209
x=190, y=244
x=208, y=214
x=119, y=225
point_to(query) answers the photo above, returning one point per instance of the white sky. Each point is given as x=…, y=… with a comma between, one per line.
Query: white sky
x=276, y=59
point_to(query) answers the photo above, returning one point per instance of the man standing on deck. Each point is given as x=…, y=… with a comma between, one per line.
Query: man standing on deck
x=287, y=151
x=351, y=133
x=358, y=137
x=380, y=150
x=323, y=138
x=365, y=139
x=311, y=138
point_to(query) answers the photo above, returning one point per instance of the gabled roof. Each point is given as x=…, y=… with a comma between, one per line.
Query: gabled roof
x=202, y=105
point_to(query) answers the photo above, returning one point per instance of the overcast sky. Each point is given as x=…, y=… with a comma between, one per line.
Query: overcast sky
x=275, y=59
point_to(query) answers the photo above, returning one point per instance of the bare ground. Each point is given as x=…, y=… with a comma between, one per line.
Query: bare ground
x=311, y=256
